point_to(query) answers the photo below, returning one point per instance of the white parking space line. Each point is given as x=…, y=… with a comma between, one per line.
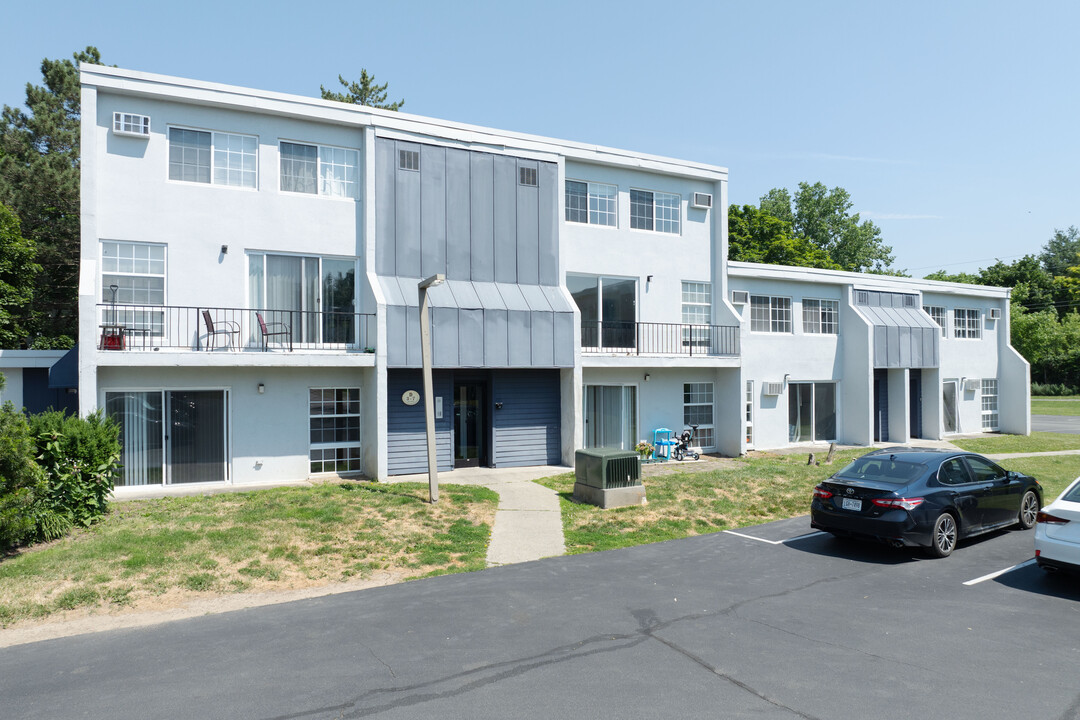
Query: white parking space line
x=999, y=573
x=773, y=542
x=803, y=537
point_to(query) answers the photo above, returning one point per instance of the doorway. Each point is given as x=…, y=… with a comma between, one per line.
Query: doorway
x=470, y=429
x=915, y=403
x=948, y=406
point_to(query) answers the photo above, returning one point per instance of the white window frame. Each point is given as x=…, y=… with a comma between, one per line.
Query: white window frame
x=820, y=316
x=779, y=319
x=144, y=320
x=321, y=163
x=989, y=395
x=353, y=449
x=629, y=435
x=749, y=414
x=696, y=312
x=967, y=323
x=215, y=135
x=696, y=397
x=593, y=203
x=938, y=314
x=672, y=221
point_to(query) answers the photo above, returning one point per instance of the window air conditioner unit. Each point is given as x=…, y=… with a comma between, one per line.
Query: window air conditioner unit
x=995, y=313
x=131, y=124
x=702, y=201
x=972, y=384
x=740, y=297
x=773, y=388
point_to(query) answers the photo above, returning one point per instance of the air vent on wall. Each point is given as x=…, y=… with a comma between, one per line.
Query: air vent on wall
x=131, y=124
x=702, y=201
x=740, y=297
x=995, y=313
x=772, y=388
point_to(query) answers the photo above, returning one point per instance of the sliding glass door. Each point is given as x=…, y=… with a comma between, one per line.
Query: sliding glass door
x=314, y=296
x=811, y=412
x=608, y=308
x=171, y=436
x=611, y=416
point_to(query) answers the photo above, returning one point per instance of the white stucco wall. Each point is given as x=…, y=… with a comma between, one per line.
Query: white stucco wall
x=12, y=391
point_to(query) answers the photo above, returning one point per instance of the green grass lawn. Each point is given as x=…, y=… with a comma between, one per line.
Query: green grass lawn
x=274, y=539
x=1036, y=442
x=745, y=491
x=1054, y=473
x=1055, y=406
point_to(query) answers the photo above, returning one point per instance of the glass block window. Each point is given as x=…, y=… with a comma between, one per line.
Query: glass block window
x=749, y=413
x=655, y=211
x=937, y=314
x=966, y=323
x=770, y=314
x=334, y=415
x=821, y=317
x=591, y=203
x=989, y=404
x=221, y=158
x=136, y=272
x=698, y=410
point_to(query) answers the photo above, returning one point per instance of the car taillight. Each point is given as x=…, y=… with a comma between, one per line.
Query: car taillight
x=902, y=503
x=821, y=493
x=1043, y=517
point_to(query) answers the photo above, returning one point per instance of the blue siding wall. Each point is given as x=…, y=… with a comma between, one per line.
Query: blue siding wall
x=39, y=397
x=526, y=427
x=406, y=436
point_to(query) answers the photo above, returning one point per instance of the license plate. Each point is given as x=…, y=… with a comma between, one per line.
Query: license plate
x=850, y=504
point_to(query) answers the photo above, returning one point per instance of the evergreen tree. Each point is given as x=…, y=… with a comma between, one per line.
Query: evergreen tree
x=17, y=274
x=362, y=92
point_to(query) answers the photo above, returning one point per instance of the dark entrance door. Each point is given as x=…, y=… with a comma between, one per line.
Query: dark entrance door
x=470, y=424
x=881, y=406
x=915, y=399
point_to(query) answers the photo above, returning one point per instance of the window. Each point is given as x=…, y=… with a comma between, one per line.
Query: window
x=654, y=211
x=608, y=310
x=698, y=410
x=315, y=296
x=937, y=314
x=821, y=317
x=696, y=311
x=989, y=404
x=611, y=416
x=591, y=203
x=132, y=284
x=984, y=470
x=811, y=412
x=966, y=323
x=202, y=157
x=749, y=413
x=409, y=159
x=334, y=416
x=318, y=170
x=131, y=124
x=527, y=176
x=770, y=314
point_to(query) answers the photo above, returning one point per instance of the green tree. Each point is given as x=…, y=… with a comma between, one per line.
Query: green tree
x=17, y=273
x=756, y=236
x=953, y=277
x=39, y=180
x=1033, y=287
x=362, y=92
x=1060, y=251
x=824, y=218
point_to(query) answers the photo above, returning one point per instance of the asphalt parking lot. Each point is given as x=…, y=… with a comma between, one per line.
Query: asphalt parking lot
x=775, y=621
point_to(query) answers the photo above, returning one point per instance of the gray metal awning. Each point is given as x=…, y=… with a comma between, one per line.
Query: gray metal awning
x=904, y=337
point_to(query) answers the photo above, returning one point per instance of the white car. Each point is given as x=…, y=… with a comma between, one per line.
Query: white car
x=1057, y=532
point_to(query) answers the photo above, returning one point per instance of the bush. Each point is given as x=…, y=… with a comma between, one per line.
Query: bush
x=80, y=457
x=22, y=480
x=1052, y=389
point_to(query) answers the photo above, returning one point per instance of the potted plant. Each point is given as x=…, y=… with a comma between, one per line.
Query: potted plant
x=644, y=449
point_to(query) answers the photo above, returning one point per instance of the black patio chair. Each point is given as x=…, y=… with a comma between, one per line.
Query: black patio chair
x=228, y=328
x=273, y=329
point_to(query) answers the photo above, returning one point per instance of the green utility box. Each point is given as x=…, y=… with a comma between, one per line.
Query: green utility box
x=608, y=477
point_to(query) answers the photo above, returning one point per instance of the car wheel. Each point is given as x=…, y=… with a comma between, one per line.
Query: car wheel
x=943, y=537
x=1029, y=510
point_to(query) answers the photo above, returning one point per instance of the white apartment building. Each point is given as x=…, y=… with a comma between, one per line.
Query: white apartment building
x=249, y=305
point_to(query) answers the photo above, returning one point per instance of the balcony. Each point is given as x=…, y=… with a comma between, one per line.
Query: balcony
x=139, y=328
x=659, y=339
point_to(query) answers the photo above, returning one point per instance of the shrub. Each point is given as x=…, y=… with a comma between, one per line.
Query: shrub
x=22, y=481
x=80, y=457
x=1052, y=389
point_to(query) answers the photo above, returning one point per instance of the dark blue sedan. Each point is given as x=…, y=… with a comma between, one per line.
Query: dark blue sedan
x=923, y=497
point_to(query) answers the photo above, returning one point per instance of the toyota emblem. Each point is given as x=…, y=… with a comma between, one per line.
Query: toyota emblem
x=850, y=491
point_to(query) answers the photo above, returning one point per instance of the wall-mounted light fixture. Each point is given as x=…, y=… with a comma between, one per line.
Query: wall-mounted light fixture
x=647, y=376
x=648, y=278
x=262, y=388
x=224, y=249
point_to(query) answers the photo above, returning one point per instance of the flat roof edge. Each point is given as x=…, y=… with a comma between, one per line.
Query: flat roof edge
x=871, y=280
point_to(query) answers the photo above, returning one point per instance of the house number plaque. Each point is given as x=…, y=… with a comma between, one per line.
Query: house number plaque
x=410, y=397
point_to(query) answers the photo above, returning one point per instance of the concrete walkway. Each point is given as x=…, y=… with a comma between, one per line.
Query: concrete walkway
x=528, y=522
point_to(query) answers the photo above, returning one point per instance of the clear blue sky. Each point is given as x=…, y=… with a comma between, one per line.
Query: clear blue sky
x=952, y=124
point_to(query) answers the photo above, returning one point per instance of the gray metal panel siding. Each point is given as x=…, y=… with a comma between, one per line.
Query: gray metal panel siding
x=519, y=338
x=903, y=347
x=406, y=433
x=543, y=339
x=881, y=347
x=384, y=207
x=396, y=344
x=444, y=337
x=432, y=210
x=528, y=230
x=564, y=339
x=495, y=340
x=547, y=222
x=526, y=428
x=482, y=217
x=470, y=338
x=458, y=192
x=505, y=195
x=407, y=217
x=412, y=337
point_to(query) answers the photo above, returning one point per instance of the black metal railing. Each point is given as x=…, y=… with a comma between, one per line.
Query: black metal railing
x=153, y=327
x=641, y=338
